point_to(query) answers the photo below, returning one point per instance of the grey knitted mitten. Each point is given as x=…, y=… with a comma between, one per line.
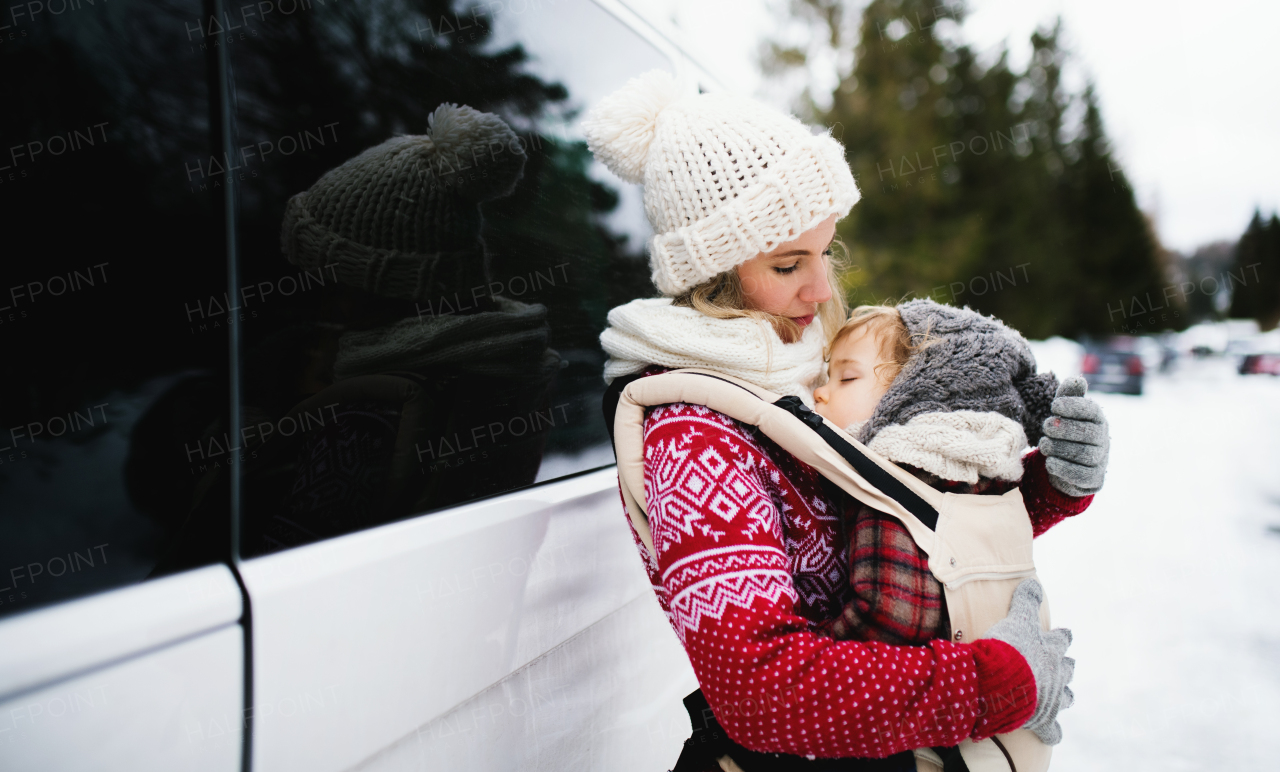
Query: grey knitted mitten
x=1076, y=443
x=1045, y=653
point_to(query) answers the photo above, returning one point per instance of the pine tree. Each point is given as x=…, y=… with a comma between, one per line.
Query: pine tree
x=1255, y=276
x=977, y=190
x=897, y=119
x=1109, y=241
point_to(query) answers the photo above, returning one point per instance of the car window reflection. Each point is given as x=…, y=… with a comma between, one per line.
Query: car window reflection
x=427, y=252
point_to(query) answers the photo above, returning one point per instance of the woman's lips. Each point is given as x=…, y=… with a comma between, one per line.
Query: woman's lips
x=803, y=321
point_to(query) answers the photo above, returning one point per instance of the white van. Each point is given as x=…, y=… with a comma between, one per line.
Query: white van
x=259, y=513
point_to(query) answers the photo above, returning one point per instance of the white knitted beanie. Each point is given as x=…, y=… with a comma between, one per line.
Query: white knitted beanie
x=725, y=177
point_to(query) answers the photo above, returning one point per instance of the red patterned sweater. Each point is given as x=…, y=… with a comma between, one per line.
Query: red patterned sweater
x=748, y=560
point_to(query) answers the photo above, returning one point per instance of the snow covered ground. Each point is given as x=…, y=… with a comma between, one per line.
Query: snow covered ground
x=1169, y=581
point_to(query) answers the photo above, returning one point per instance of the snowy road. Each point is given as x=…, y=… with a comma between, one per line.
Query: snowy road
x=1169, y=581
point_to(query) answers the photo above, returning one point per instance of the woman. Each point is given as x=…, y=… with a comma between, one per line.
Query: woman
x=747, y=550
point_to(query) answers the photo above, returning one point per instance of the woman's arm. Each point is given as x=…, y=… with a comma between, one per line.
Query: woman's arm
x=714, y=498
x=1046, y=505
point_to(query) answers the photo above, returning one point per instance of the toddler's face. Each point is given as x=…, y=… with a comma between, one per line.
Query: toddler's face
x=853, y=389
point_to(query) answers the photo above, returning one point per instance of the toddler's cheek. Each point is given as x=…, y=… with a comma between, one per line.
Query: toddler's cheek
x=840, y=411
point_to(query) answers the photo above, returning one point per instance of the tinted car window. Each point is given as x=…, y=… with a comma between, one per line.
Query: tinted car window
x=427, y=254
x=108, y=378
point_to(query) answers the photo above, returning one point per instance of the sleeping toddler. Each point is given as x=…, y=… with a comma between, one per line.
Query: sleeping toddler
x=952, y=397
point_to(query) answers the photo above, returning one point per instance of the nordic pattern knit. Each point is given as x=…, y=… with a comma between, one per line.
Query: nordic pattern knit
x=747, y=559
x=892, y=595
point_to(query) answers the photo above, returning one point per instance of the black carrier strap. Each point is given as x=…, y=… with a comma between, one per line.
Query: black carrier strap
x=609, y=404
x=887, y=483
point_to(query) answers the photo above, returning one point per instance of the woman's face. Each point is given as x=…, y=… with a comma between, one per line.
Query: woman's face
x=792, y=279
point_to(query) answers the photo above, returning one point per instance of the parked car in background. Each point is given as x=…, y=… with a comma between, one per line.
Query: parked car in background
x=1260, y=364
x=1114, y=365
x=1157, y=352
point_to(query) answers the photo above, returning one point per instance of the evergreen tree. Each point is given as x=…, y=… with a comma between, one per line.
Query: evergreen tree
x=1206, y=267
x=1109, y=242
x=1255, y=277
x=977, y=189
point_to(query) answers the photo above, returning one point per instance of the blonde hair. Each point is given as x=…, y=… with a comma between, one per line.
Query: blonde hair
x=723, y=297
x=885, y=323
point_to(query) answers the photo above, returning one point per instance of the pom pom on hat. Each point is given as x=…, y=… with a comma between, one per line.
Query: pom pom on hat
x=459, y=138
x=622, y=126
x=402, y=219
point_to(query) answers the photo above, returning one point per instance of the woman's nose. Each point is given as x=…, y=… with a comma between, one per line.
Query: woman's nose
x=816, y=288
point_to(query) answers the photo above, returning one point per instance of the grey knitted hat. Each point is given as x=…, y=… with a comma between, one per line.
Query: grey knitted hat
x=973, y=363
x=402, y=219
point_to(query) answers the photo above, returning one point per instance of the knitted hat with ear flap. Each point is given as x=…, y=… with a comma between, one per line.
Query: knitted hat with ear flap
x=968, y=403
x=402, y=219
x=725, y=177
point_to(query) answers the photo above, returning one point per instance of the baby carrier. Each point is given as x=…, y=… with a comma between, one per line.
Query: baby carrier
x=979, y=547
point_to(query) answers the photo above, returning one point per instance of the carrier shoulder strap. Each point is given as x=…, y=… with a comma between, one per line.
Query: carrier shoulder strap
x=845, y=445
x=790, y=424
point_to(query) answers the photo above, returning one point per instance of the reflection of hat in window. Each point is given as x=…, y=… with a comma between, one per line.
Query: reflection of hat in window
x=402, y=219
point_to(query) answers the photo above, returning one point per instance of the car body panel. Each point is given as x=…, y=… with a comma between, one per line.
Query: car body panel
x=145, y=677
x=608, y=698
x=59, y=642
x=404, y=623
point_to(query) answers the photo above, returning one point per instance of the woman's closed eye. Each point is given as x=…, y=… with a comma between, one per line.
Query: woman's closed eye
x=784, y=270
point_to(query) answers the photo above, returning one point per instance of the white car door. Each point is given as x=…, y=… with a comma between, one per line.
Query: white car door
x=512, y=626
x=144, y=677
x=111, y=253
x=418, y=564
x=515, y=633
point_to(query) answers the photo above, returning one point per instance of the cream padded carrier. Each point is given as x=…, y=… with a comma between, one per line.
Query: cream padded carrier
x=979, y=547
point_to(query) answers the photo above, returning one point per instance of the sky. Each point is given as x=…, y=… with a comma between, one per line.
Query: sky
x=1190, y=92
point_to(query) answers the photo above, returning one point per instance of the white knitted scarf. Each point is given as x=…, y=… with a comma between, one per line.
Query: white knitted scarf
x=654, y=332
x=962, y=445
